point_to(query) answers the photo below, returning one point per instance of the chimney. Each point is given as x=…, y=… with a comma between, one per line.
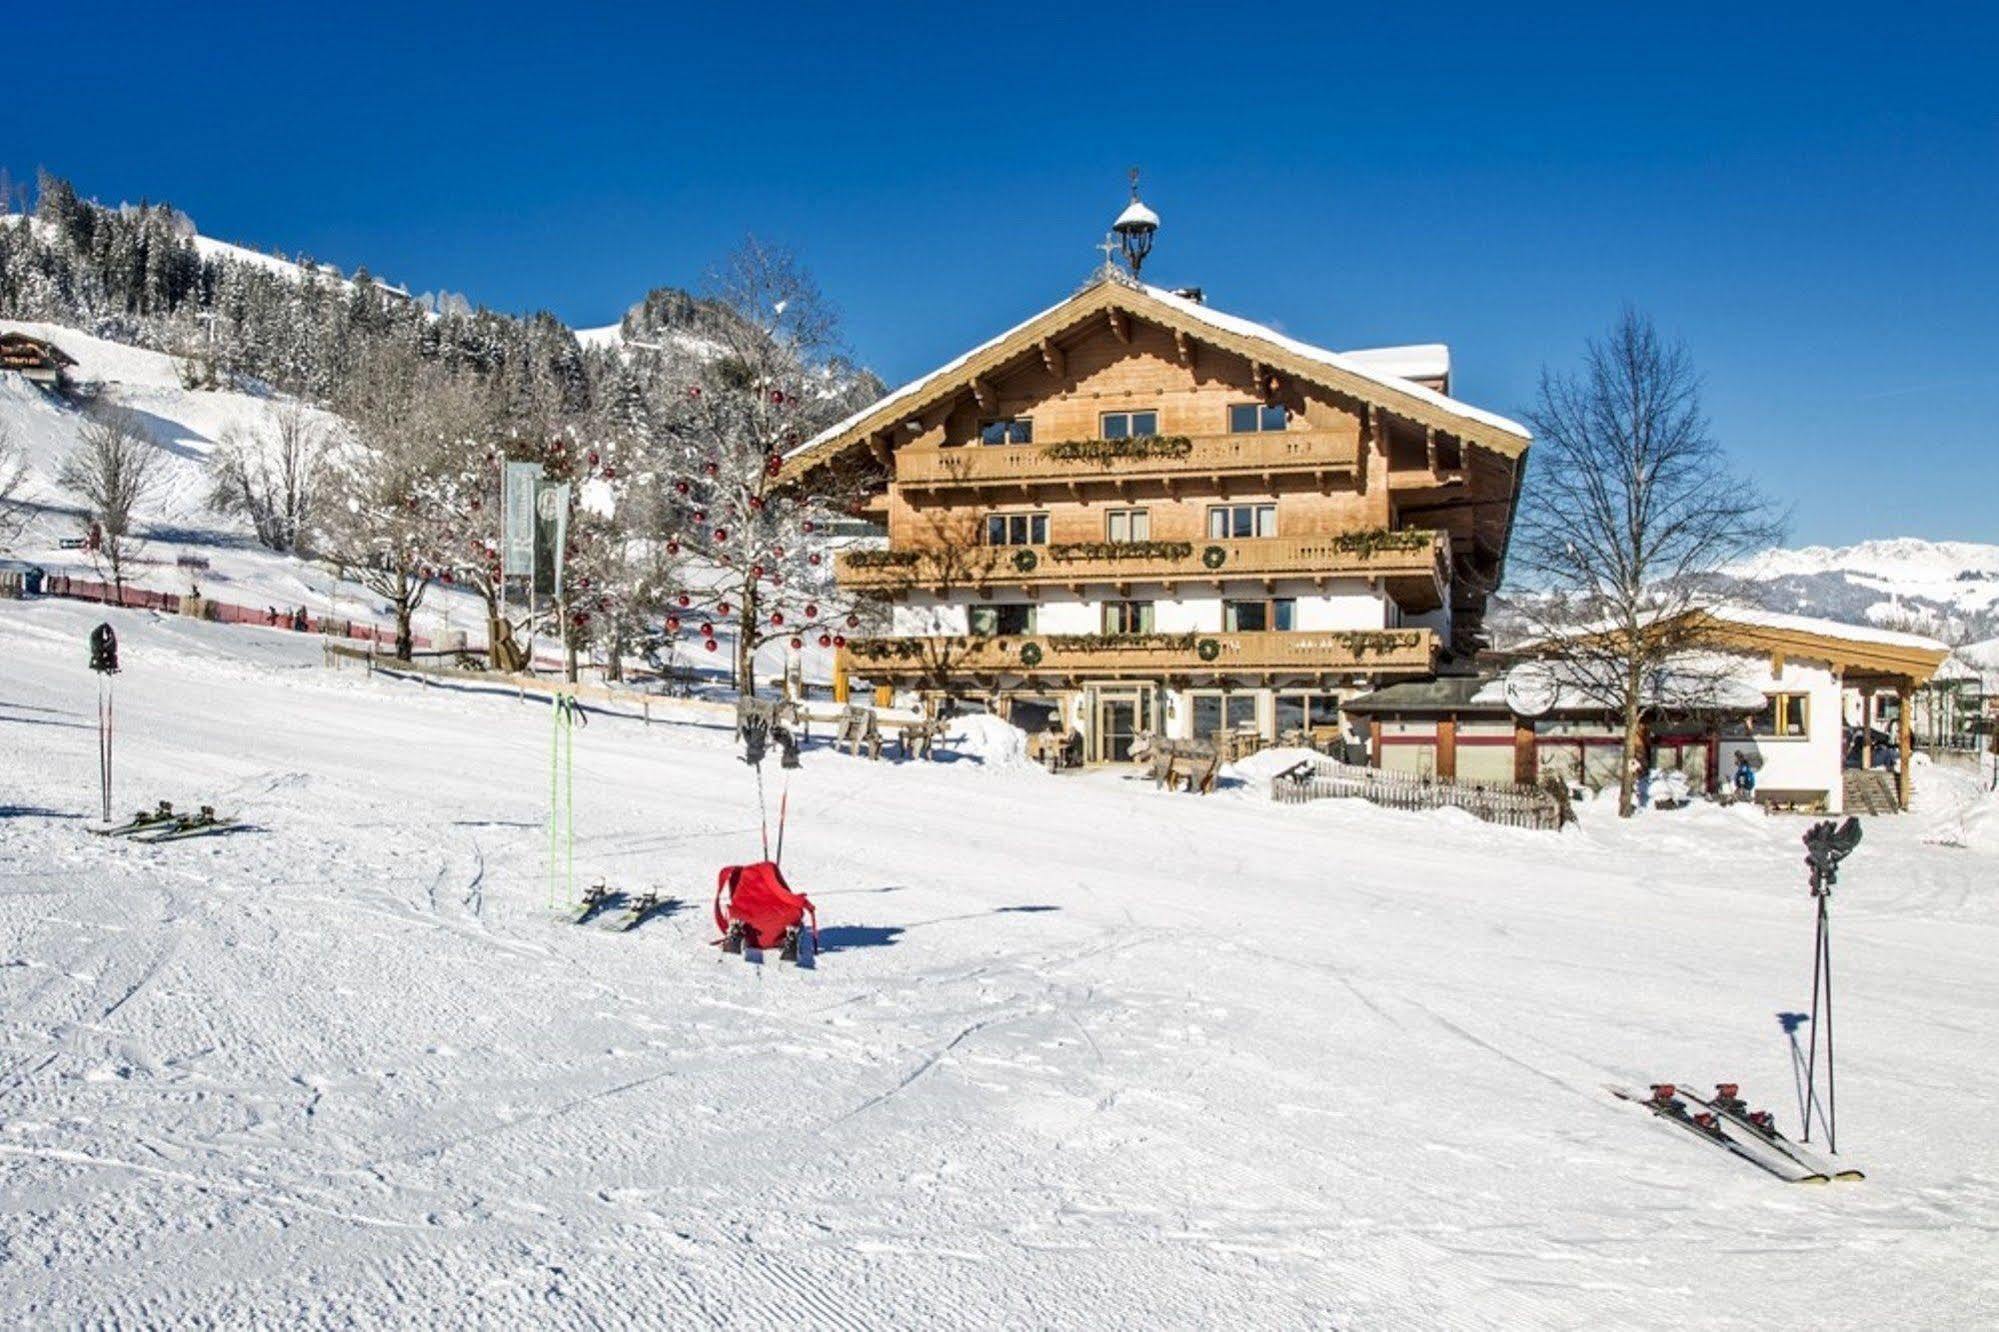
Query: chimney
x=1194, y=294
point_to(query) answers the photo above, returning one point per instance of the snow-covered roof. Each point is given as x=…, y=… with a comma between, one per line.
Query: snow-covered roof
x=1756, y=617
x=1136, y=214
x=1338, y=360
x=1422, y=360
x=1195, y=312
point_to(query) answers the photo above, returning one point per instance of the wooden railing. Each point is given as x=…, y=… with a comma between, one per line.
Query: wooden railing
x=975, y=465
x=1416, y=563
x=1401, y=651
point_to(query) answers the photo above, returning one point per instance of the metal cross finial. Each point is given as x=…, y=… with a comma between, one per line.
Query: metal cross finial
x=1134, y=184
x=1110, y=249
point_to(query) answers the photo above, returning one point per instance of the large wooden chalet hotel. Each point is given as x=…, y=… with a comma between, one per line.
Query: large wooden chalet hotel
x=1136, y=513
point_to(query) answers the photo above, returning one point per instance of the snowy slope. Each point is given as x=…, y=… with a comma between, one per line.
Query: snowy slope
x=187, y=425
x=1077, y=1053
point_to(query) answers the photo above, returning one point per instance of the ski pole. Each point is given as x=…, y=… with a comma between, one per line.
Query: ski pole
x=783, y=807
x=1831, y=1088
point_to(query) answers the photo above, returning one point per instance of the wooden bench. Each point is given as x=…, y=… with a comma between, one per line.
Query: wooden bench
x=1775, y=799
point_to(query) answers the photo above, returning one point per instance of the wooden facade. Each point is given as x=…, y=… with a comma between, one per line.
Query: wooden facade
x=1132, y=492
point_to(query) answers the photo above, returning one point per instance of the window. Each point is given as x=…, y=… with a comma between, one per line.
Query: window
x=1249, y=418
x=1255, y=617
x=1128, y=525
x=1003, y=619
x=1302, y=712
x=1013, y=430
x=1783, y=715
x=1016, y=529
x=1242, y=520
x=1127, y=617
x=1217, y=712
x=1130, y=425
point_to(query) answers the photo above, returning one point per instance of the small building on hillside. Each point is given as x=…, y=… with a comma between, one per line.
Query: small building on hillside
x=36, y=360
x=1776, y=690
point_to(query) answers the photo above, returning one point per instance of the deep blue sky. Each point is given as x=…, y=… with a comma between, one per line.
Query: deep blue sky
x=1810, y=204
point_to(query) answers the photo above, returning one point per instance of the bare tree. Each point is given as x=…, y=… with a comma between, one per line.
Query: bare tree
x=381, y=520
x=271, y=473
x=14, y=512
x=1629, y=511
x=113, y=470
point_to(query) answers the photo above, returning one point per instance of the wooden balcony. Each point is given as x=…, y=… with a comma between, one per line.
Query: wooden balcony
x=1321, y=454
x=1415, y=566
x=1090, y=656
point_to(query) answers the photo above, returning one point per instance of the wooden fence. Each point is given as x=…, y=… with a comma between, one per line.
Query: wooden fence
x=1494, y=802
x=222, y=612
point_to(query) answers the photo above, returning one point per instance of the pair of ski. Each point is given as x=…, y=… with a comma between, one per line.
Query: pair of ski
x=1727, y=1122
x=598, y=899
x=161, y=824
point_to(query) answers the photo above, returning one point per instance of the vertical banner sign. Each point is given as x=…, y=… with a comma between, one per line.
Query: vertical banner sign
x=552, y=532
x=517, y=540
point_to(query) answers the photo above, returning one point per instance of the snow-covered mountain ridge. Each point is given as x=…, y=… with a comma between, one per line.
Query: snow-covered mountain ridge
x=1949, y=589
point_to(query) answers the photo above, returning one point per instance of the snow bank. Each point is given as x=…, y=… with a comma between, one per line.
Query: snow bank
x=988, y=739
x=1259, y=768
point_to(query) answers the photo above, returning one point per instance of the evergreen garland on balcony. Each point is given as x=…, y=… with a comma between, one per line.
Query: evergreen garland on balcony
x=1121, y=550
x=881, y=559
x=1114, y=450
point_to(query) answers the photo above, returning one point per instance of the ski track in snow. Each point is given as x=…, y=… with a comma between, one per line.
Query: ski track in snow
x=1077, y=1053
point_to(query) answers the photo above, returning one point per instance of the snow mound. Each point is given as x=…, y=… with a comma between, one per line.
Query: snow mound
x=993, y=742
x=1265, y=764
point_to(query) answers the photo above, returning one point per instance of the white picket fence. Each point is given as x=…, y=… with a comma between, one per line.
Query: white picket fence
x=1495, y=802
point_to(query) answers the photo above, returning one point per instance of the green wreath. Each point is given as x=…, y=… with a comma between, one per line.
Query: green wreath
x=1025, y=560
x=1207, y=649
x=1030, y=654
x=1214, y=557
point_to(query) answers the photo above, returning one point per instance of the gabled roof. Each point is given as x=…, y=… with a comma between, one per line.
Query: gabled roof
x=1361, y=377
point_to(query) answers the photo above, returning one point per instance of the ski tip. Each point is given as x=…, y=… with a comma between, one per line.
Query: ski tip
x=1812, y=1179
x=1850, y=1175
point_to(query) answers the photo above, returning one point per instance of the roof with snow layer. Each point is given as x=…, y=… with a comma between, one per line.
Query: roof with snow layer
x=1360, y=376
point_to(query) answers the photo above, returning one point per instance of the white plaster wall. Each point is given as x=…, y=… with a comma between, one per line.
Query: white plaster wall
x=1812, y=763
x=924, y=616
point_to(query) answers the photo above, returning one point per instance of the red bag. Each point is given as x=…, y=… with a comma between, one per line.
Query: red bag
x=761, y=899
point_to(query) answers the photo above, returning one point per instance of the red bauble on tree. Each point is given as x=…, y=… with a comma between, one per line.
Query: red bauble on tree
x=825, y=640
x=839, y=640
x=707, y=630
x=710, y=645
x=797, y=643
x=673, y=624
x=811, y=612
x=777, y=617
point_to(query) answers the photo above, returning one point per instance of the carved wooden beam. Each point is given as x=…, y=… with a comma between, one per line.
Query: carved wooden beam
x=1052, y=356
x=1430, y=449
x=879, y=447
x=984, y=393
x=1120, y=325
x=1184, y=346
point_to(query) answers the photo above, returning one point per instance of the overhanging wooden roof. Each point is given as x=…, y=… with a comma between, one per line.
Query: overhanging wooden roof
x=1330, y=370
x=1860, y=652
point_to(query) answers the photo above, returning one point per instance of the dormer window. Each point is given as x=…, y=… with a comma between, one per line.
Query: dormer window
x=1012, y=430
x=1130, y=425
x=1250, y=418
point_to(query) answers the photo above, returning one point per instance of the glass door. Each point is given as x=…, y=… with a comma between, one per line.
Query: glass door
x=1118, y=715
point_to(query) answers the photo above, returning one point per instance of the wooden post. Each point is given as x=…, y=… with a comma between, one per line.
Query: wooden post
x=840, y=684
x=1902, y=738
x=1374, y=742
x=1447, y=747
x=884, y=696
x=1866, y=729
x=1524, y=764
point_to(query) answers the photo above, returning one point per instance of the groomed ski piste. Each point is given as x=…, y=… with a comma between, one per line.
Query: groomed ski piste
x=1075, y=1052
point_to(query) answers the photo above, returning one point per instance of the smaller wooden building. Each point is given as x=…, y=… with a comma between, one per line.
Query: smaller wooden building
x=36, y=360
x=1782, y=703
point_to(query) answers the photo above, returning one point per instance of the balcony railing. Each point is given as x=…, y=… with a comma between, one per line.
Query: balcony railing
x=1415, y=565
x=971, y=466
x=1394, y=651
